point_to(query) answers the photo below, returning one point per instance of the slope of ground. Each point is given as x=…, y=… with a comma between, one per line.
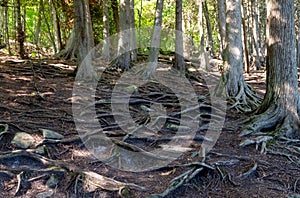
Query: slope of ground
x=37, y=95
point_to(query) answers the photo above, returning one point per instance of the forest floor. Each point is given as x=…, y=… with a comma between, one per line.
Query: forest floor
x=37, y=95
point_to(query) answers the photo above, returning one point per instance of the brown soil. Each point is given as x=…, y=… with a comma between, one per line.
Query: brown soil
x=38, y=94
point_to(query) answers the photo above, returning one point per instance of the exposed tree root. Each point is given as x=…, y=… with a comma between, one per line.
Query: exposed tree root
x=244, y=101
x=275, y=120
x=184, y=178
x=30, y=163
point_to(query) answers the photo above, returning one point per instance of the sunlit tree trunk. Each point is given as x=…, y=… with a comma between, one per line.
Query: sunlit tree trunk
x=179, y=59
x=233, y=84
x=133, y=47
x=280, y=106
x=84, y=38
x=203, y=56
x=106, y=40
x=123, y=60
x=56, y=26
x=155, y=41
x=222, y=24
x=52, y=39
x=38, y=24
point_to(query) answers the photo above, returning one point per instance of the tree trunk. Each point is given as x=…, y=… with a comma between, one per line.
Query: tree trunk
x=179, y=59
x=233, y=84
x=85, y=40
x=246, y=53
x=133, y=47
x=155, y=41
x=106, y=40
x=20, y=31
x=280, y=104
x=203, y=56
x=123, y=60
x=222, y=24
x=115, y=9
x=39, y=24
x=56, y=26
x=208, y=26
x=49, y=29
x=6, y=29
x=256, y=34
x=200, y=23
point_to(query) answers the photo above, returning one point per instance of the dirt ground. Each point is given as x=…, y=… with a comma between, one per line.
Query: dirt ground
x=37, y=95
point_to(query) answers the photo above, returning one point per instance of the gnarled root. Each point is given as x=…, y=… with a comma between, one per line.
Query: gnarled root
x=275, y=119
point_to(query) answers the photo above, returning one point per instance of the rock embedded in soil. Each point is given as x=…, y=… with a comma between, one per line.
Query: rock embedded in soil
x=49, y=134
x=45, y=194
x=52, y=181
x=23, y=140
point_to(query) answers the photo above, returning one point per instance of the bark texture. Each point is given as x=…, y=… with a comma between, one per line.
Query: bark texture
x=232, y=85
x=155, y=41
x=179, y=59
x=280, y=107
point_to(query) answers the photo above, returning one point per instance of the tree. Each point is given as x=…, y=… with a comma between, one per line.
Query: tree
x=56, y=26
x=106, y=41
x=155, y=41
x=20, y=30
x=179, y=59
x=232, y=85
x=280, y=107
x=222, y=24
x=133, y=54
x=203, y=57
x=123, y=59
x=256, y=34
x=115, y=9
x=84, y=39
x=208, y=27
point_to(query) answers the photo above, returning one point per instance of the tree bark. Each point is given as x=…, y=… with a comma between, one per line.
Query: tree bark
x=123, y=60
x=20, y=31
x=203, y=56
x=84, y=38
x=232, y=85
x=115, y=9
x=256, y=34
x=246, y=53
x=155, y=41
x=133, y=47
x=106, y=40
x=208, y=26
x=222, y=24
x=179, y=59
x=56, y=26
x=39, y=24
x=7, y=36
x=280, y=106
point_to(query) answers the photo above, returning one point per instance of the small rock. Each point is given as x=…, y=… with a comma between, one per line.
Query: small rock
x=40, y=150
x=45, y=194
x=52, y=181
x=49, y=134
x=23, y=140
